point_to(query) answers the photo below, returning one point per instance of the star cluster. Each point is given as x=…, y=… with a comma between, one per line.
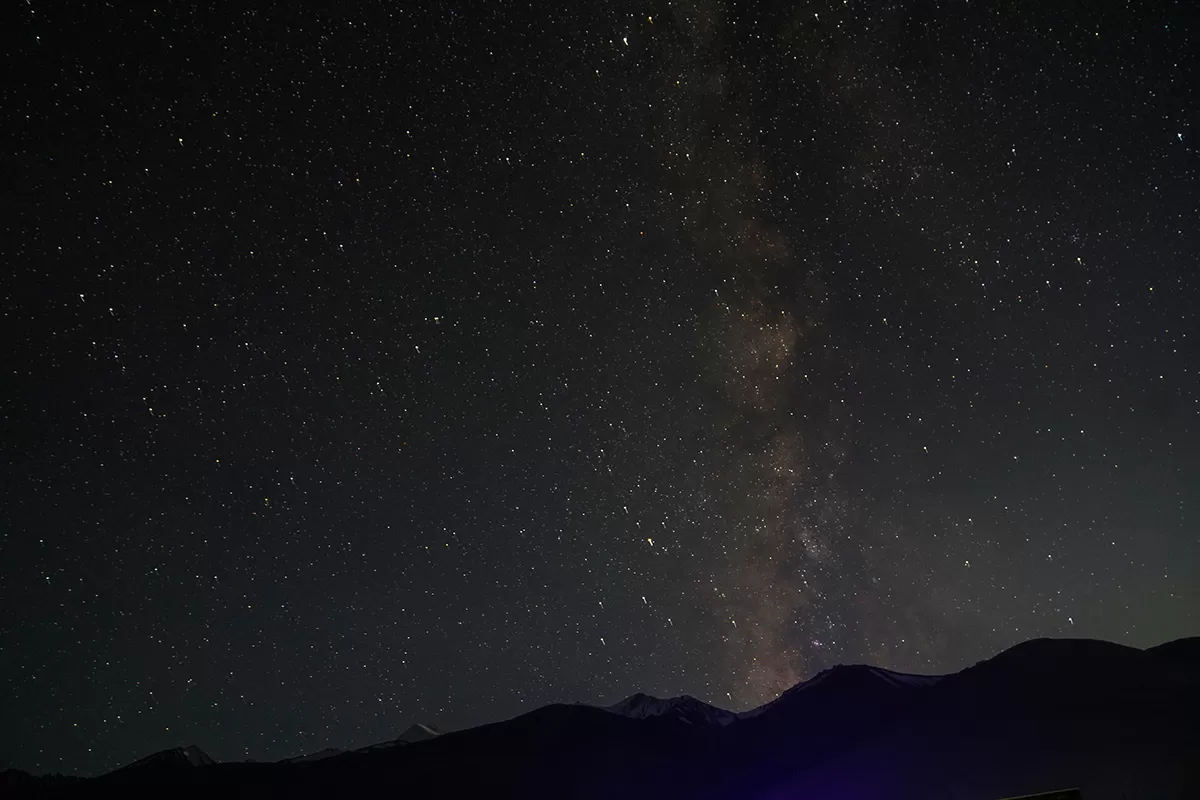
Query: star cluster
x=374, y=365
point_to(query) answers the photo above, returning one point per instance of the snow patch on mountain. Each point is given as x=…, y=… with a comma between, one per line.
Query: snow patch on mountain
x=320, y=755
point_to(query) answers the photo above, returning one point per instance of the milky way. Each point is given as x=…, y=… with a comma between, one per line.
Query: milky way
x=371, y=366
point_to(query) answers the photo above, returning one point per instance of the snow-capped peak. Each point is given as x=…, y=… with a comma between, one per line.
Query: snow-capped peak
x=418, y=733
x=190, y=756
x=197, y=757
x=848, y=677
x=684, y=708
x=413, y=734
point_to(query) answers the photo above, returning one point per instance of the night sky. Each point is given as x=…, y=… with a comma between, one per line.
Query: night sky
x=367, y=364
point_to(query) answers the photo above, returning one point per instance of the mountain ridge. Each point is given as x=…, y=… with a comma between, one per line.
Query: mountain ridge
x=1042, y=714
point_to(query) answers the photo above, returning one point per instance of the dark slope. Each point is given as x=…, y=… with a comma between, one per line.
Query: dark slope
x=561, y=750
x=836, y=711
x=1181, y=650
x=1114, y=721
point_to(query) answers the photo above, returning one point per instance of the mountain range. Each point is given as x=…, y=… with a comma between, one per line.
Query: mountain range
x=1115, y=722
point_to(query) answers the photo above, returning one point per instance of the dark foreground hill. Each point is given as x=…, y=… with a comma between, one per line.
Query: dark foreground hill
x=1116, y=722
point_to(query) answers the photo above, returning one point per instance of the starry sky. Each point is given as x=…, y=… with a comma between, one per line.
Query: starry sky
x=371, y=363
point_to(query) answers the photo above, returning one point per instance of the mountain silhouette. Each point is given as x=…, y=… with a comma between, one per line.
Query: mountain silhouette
x=1113, y=721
